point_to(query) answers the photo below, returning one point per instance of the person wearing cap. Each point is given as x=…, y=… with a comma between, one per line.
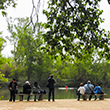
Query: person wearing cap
x=89, y=88
x=81, y=90
x=51, y=82
x=27, y=89
x=12, y=88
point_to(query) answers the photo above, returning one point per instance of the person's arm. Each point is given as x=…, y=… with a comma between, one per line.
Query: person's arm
x=84, y=89
x=16, y=85
x=95, y=89
x=48, y=80
x=30, y=87
x=10, y=86
x=85, y=86
x=54, y=81
x=38, y=87
x=79, y=89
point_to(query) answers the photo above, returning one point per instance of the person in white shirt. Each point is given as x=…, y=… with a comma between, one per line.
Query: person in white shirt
x=81, y=90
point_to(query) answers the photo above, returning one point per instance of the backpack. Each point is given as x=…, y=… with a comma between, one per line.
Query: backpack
x=42, y=91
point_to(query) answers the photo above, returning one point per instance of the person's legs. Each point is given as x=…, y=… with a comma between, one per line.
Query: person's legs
x=35, y=97
x=49, y=95
x=10, y=96
x=40, y=97
x=95, y=97
x=14, y=96
x=22, y=97
x=53, y=94
x=28, y=97
x=90, y=97
x=78, y=96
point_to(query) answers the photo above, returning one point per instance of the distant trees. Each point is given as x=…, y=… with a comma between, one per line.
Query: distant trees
x=72, y=33
x=2, y=59
x=73, y=73
x=27, y=53
x=34, y=64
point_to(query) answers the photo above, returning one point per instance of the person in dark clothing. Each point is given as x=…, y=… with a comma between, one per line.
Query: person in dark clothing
x=36, y=90
x=27, y=89
x=51, y=82
x=12, y=87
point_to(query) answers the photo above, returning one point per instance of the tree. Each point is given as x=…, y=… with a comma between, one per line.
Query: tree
x=100, y=73
x=24, y=49
x=2, y=42
x=27, y=50
x=7, y=67
x=43, y=68
x=73, y=28
x=2, y=59
x=4, y=5
x=34, y=15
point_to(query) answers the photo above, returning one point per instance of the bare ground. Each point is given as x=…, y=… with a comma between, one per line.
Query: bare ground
x=59, y=104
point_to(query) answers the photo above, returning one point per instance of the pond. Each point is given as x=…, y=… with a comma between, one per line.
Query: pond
x=60, y=93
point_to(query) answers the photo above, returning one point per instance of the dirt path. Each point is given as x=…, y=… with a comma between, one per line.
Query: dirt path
x=59, y=104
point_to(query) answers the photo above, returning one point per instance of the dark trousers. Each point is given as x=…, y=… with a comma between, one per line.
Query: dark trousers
x=27, y=97
x=95, y=97
x=35, y=97
x=79, y=96
x=12, y=95
x=51, y=90
x=40, y=97
x=90, y=97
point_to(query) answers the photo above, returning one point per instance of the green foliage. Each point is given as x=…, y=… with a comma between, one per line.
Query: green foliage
x=4, y=4
x=2, y=78
x=27, y=51
x=34, y=64
x=17, y=73
x=2, y=59
x=2, y=42
x=73, y=28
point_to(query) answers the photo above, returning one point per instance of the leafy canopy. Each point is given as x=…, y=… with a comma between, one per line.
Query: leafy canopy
x=73, y=28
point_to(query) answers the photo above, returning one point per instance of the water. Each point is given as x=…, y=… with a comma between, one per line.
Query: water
x=60, y=93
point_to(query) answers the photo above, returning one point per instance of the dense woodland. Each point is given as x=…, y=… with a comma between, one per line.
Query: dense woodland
x=73, y=53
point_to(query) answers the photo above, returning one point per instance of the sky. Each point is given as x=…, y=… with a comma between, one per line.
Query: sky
x=24, y=9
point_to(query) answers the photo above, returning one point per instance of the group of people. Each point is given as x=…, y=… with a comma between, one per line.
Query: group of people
x=13, y=87
x=27, y=88
x=89, y=89
x=83, y=89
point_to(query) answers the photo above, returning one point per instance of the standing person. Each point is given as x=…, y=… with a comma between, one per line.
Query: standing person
x=12, y=87
x=89, y=89
x=36, y=90
x=51, y=82
x=81, y=90
x=27, y=89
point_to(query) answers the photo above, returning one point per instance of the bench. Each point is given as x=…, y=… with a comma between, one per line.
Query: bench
x=21, y=94
x=101, y=96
